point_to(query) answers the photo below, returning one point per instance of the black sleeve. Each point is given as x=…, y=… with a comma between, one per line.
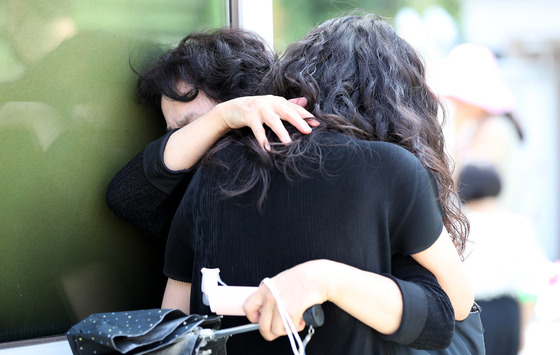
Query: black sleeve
x=146, y=194
x=428, y=316
x=156, y=172
x=134, y=199
x=415, y=209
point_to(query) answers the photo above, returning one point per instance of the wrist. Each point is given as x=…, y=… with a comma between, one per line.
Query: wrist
x=324, y=274
x=217, y=116
x=338, y=279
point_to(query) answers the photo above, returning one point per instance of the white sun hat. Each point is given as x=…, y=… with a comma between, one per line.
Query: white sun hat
x=471, y=74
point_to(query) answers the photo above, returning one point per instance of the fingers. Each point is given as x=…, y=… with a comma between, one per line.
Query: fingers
x=274, y=122
x=252, y=307
x=302, y=101
x=312, y=122
x=269, y=316
x=289, y=112
x=277, y=325
x=260, y=134
x=261, y=307
x=272, y=111
x=299, y=117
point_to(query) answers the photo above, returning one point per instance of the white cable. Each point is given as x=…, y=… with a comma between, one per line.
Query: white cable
x=220, y=281
x=291, y=331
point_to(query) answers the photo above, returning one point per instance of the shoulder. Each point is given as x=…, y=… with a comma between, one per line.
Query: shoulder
x=374, y=154
x=340, y=141
x=393, y=157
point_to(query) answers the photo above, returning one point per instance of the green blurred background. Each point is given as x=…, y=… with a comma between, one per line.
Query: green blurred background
x=68, y=123
x=293, y=18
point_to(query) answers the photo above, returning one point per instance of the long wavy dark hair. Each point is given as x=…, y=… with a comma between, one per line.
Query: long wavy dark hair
x=224, y=63
x=363, y=80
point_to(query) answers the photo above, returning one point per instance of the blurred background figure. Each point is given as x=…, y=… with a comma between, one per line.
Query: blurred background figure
x=481, y=111
x=507, y=268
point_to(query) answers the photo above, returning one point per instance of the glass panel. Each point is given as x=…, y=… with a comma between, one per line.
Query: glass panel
x=68, y=122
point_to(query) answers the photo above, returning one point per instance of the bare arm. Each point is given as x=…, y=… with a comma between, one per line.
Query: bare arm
x=177, y=295
x=350, y=288
x=443, y=261
x=187, y=145
x=136, y=195
x=371, y=298
x=324, y=280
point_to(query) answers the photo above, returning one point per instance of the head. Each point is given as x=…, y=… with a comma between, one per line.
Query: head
x=478, y=181
x=204, y=69
x=180, y=113
x=470, y=78
x=356, y=71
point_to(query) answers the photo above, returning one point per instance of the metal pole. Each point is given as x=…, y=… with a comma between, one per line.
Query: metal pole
x=253, y=15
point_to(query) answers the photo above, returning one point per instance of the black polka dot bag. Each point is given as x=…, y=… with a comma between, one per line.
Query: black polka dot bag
x=152, y=331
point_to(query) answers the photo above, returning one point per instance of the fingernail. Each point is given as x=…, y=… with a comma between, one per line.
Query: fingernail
x=312, y=121
x=267, y=147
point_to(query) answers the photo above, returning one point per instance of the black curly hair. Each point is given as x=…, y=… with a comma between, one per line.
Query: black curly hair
x=224, y=63
x=360, y=79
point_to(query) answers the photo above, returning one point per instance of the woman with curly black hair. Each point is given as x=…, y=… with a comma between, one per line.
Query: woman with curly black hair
x=328, y=212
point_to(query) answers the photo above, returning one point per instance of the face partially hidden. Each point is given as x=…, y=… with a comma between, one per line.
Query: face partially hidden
x=178, y=114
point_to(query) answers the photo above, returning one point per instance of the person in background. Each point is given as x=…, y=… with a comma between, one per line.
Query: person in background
x=505, y=265
x=327, y=212
x=482, y=110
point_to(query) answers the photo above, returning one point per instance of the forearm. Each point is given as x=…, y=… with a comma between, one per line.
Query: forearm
x=442, y=260
x=371, y=298
x=381, y=302
x=187, y=145
x=378, y=301
x=177, y=295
